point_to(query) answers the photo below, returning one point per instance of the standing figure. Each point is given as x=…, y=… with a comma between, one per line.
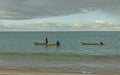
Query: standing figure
x=57, y=43
x=46, y=40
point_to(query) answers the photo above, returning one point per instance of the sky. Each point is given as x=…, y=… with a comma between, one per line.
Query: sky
x=59, y=15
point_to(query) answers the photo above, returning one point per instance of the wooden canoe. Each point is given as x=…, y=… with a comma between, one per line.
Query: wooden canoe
x=44, y=44
x=91, y=43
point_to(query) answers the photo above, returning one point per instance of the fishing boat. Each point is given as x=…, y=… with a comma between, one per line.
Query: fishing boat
x=44, y=44
x=92, y=43
x=39, y=43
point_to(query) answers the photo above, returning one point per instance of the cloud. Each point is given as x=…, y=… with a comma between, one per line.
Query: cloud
x=98, y=25
x=76, y=26
x=26, y=9
x=36, y=25
x=48, y=26
x=99, y=22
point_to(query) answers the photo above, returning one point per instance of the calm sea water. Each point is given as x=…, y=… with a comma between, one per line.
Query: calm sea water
x=17, y=49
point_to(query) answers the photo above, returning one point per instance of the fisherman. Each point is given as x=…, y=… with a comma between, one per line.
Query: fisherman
x=46, y=40
x=57, y=43
x=101, y=43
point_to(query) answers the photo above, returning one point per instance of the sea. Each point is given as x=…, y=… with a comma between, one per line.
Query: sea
x=17, y=50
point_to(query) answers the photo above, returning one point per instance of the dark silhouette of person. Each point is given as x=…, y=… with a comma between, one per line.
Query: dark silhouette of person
x=101, y=43
x=57, y=43
x=46, y=40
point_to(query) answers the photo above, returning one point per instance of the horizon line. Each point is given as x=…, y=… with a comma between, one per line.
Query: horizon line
x=52, y=30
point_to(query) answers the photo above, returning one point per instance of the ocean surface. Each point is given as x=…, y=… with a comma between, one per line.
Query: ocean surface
x=17, y=50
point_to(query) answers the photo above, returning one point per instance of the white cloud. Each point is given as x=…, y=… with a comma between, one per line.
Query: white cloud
x=76, y=26
x=99, y=25
x=99, y=22
x=42, y=25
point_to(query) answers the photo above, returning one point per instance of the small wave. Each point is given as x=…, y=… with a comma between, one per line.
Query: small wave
x=69, y=55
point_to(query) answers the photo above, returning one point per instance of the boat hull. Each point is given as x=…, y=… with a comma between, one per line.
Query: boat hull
x=90, y=43
x=44, y=44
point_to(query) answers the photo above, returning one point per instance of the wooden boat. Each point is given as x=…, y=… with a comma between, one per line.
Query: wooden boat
x=44, y=44
x=92, y=43
x=39, y=43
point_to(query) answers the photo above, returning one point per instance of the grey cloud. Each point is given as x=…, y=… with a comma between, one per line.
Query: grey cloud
x=25, y=9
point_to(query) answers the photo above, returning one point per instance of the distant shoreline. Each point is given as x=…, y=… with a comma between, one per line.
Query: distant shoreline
x=60, y=31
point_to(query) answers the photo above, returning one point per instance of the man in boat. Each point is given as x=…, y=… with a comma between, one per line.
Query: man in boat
x=46, y=41
x=101, y=43
x=57, y=43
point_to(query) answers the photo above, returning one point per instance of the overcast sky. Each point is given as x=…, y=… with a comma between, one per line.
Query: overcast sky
x=59, y=15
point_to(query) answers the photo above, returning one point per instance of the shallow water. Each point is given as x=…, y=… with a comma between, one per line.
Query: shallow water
x=17, y=50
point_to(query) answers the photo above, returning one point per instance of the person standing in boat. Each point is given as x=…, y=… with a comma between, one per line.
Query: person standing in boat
x=57, y=43
x=46, y=40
